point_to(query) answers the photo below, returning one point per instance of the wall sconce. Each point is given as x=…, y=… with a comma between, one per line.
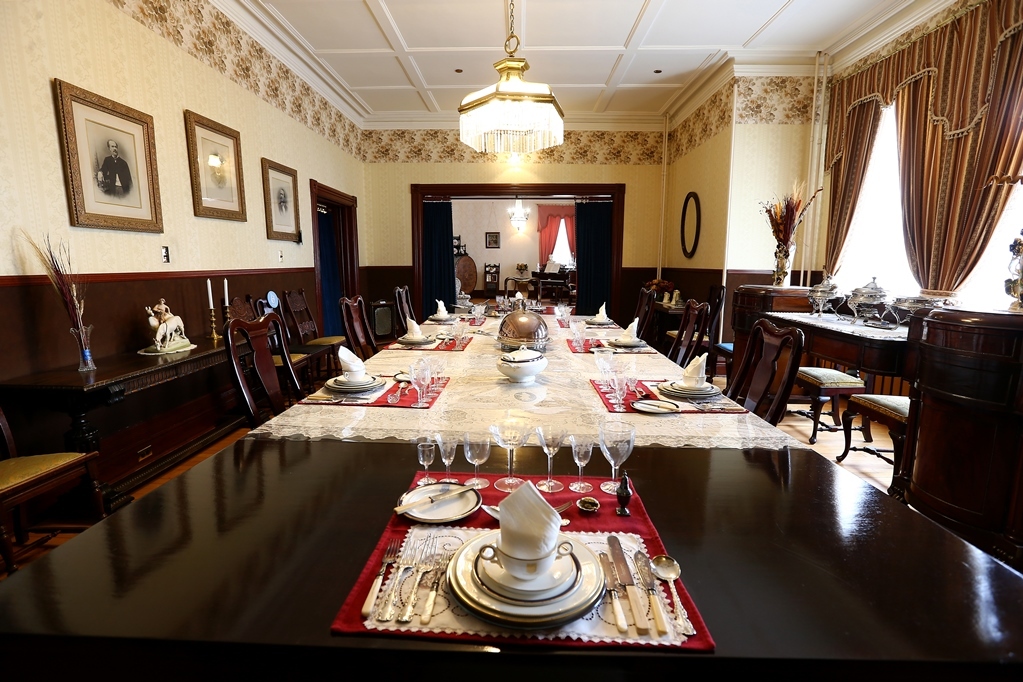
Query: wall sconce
x=518, y=215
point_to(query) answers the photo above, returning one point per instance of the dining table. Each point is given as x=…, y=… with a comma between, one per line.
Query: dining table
x=477, y=395
x=242, y=566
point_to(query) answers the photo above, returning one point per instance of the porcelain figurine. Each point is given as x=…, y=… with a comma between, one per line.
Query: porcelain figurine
x=168, y=328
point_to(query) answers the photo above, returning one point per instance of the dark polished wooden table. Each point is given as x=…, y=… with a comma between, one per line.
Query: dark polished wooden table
x=240, y=565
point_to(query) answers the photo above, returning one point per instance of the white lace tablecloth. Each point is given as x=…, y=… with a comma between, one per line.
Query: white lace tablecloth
x=478, y=395
x=838, y=324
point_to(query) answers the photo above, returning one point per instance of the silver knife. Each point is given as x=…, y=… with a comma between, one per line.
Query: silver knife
x=457, y=490
x=637, y=600
x=646, y=578
x=611, y=585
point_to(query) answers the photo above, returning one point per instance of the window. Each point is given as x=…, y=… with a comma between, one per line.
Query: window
x=562, y=254
x=875, y=246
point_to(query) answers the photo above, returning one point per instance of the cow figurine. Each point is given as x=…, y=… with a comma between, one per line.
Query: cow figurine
x=168, y=328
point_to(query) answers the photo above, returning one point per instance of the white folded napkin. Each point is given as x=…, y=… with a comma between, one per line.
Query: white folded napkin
x=349, y=361
x=696, y=368
x=601, y=314
x=630, y=332
x=414, y=332
x=529, y=525
x=442, y=310
x=518, y=295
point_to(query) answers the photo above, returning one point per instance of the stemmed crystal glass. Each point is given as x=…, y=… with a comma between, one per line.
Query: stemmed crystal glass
x=552, y=437
x=426, y=453
x=437, y=365
x=477, y=451
x=616, y=442
x=420, y=374
x=582, y=449
x=604, y=359
x=448, y=448
x=510, y=433
x=578, y=333
x=619, y=388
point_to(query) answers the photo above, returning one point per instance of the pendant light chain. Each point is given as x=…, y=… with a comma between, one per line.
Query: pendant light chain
x=511, y=31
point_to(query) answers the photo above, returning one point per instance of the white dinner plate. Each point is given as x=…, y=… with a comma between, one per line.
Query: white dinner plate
x=343, y=381
x=563, y=577
x=402, y=376
x=444, y=511
x=626, y=343
x=600, y=323
x=481, y=602
x=345, y=387
x=677, y=389
x=422, y=341
x=446, y=319
x=656, y=406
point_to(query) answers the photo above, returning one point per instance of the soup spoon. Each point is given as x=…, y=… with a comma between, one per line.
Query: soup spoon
x=668, y=570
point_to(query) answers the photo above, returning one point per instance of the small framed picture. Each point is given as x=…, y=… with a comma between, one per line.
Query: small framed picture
x=109, y=162
x=280, y=197
x=493, y=240
x=215, y=166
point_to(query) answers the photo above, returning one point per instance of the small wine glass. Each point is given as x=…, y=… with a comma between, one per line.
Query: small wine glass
x=616, y=442
x=420, y=374
x=437, y=366
x=448, y=448
x=510, y=433
x=582, y=449
x=619, y=388
x=578, y=328
x=552, y=437
x=477, y=451
x=426, y=454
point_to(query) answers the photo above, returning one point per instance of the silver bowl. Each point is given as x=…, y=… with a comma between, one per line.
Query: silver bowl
x=523, y=327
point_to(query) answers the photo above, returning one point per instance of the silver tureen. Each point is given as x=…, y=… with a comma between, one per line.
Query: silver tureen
x=523, y=327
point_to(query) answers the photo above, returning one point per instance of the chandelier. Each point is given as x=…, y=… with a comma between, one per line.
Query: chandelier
x=518, y=215
x=512, y=116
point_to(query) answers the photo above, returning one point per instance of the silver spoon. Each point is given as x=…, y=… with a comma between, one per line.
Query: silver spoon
x=396, y=396
x=668, y=570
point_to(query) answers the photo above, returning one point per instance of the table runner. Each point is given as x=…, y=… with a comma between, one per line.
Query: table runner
x=718, y=405
x=591, y=528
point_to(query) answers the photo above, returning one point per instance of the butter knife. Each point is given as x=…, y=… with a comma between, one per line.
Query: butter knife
x=611, y=585
x=646, y=578
x=637, y=600
x=457, y=490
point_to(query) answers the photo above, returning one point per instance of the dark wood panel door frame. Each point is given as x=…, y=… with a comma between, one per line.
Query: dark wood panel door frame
x=577, y=191
x=348, y=240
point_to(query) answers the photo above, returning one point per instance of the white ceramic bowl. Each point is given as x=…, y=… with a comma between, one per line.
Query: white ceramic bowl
x=522, y=366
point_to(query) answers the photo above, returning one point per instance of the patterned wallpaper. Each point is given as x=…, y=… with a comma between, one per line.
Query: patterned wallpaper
x=211, y=37
x=709, y=119
x=773, y=99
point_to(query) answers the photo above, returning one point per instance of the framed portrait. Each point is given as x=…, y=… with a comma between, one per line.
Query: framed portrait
x=215, y=166
x=109, y=162
x=493, y=240
x=280, y=198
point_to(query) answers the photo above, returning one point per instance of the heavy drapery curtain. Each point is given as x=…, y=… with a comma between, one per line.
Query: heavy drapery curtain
x=549, y=219
x=593, y=258
x=959, y=97
x=438, y=262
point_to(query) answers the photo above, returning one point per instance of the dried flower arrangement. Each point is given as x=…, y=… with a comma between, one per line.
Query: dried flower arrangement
x=784, y=215
x=660, y=285
x=70, y=286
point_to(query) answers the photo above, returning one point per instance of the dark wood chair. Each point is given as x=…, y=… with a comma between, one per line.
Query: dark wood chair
x=822, y=385
x=25, y=478
x=358, y=332
x=889, y=410
x=302, y=362
x=763, y=380
x=644, y=312
x=716, y=301
x=266, y=363
x=297, y=309
x=403, y=301
x=690, y=333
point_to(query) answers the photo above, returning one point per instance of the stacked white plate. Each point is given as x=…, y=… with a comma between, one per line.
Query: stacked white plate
x=443, y=319
x=574, y=585
x=443, y=511
x=676, y=389
x=342, y=385
x=421, y=341
x=626, y=343
x=607, y=322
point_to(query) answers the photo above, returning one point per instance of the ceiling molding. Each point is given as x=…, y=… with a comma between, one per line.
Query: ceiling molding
x=717, y=79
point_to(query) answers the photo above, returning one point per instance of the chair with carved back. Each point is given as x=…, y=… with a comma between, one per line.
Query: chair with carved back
x=251, y=310
x=690, y=333
x=716, y=301
x=298, y=311
x=358, y=332
x=644, y=312
x=267, y=362
x=25, y=478
x=403, y=300
x=762, y=383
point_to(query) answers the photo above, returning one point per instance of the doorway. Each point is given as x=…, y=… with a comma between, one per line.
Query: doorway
x=335, y=252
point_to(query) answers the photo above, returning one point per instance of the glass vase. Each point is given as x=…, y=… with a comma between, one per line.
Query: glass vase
x=81, y=334
x=782, y=263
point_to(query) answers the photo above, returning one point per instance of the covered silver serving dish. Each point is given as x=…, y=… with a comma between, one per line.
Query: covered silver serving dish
x=820, y=295
x=864, y=300
x=523, y=327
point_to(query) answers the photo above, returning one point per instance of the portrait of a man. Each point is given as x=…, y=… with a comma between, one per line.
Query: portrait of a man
x=114, y=176
x=282, y=201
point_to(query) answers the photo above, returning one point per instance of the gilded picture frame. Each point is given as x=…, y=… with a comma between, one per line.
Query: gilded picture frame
x=215, y=168
x=493, y=240
x=109, y=154
x=280, y=201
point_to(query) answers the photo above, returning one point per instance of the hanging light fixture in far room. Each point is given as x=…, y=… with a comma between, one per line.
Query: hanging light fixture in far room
x=511, y=116
x=518, y=215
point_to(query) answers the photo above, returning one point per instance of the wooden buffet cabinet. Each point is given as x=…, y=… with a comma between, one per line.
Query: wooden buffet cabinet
x=751, y=301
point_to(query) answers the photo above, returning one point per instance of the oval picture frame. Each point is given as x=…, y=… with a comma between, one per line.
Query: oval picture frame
x=686, y=251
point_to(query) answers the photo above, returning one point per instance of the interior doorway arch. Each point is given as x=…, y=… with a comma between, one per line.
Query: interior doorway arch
x=336, y=212
x=562, y=191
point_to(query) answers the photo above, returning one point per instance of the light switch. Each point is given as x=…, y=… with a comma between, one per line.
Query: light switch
x=165, y=254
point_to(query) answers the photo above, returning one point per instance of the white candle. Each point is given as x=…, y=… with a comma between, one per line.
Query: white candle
x=227, y=300
x=209, y=292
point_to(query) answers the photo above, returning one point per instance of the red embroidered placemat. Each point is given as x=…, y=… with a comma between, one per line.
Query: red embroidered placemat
x=408, y=397
x=587, y=345
x=349, y=619
x=447, y=344
x=687, y=408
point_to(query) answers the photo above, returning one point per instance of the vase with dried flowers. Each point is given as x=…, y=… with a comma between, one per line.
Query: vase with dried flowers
x=71, y=289
x=784, y=215
x=1014, y=285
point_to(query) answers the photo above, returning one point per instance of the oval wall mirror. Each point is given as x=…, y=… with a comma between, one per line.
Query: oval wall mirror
x=690, y=224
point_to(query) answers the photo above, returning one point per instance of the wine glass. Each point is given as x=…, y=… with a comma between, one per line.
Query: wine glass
x=448, y=448
x=426, y=454
x=510, y=433
x=477, y=451
x=578, y=328
x=616, y=442
x=619, y=387
x=582, y=449
x=552, y=437
x=420, y=375
x=437, y=365
x=603, y=357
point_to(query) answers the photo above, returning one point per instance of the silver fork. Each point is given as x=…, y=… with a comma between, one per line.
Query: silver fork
x=441, y=572
x=390, y=556
x=407, y=561
x=427, y=562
